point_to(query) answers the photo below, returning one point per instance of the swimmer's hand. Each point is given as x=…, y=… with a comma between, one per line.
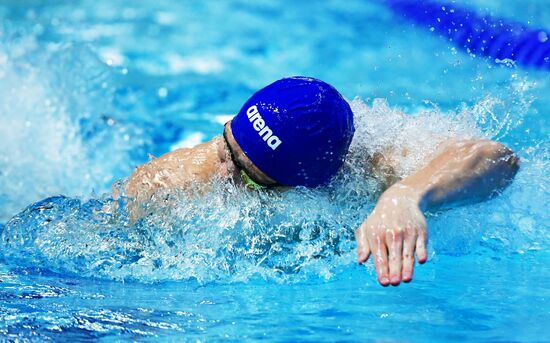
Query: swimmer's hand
x=393, y=232
x=463, y=172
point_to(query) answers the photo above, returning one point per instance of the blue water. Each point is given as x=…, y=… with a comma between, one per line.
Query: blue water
x=90, y=88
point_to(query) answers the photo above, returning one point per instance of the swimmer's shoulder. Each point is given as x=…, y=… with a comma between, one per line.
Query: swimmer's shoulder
x=201, y=152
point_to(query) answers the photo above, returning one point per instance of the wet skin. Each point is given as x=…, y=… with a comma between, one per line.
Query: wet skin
x=462, y=171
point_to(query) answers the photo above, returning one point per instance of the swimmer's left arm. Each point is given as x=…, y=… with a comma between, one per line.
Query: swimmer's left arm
x=464, y=171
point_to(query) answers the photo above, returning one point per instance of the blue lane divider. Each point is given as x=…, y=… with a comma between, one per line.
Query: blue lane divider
x=479, y=35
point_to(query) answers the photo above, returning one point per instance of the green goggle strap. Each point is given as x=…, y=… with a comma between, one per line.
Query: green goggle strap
x=249, y=182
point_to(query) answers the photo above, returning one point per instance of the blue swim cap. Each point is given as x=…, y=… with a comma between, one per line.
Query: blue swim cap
x=296, y=130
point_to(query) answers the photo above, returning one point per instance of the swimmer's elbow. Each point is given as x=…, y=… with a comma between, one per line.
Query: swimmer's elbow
x=502, y=157
x=502, y=163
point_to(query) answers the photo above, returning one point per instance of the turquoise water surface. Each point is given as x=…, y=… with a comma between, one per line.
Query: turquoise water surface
x=90, y=89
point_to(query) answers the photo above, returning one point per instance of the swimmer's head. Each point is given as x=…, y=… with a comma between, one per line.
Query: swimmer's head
x=296, y=131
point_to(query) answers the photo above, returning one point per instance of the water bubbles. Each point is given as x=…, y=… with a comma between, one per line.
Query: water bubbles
x=162, y=92
x=506, y=62
x=112, y=57
x=542, y=36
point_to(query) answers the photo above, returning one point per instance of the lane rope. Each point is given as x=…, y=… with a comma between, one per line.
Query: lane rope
x=492, y=37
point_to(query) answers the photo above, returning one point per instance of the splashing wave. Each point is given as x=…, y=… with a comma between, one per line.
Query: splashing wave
x=231, y=234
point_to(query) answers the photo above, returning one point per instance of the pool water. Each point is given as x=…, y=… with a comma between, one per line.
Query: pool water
x=90, y=89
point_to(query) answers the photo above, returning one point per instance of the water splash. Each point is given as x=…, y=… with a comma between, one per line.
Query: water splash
x=232, y=234
x=202, y=238
x=60, y=131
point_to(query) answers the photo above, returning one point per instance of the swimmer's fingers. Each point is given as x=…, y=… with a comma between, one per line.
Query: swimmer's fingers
x=409, y=244
x=380, y=255
x=421, y=254
x=363, y=248
x=394, y=239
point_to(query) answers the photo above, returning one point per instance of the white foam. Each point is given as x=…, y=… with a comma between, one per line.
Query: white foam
x=58, y=133
x=412, y=139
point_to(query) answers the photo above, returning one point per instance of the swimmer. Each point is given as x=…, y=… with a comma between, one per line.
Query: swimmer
x=297, y=132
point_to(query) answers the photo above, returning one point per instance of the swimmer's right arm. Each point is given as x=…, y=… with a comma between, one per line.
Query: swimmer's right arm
x=146, y=180
x=179, y=170
x=466, y=171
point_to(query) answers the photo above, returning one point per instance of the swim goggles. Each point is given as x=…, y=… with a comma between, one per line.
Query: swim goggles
x=246, y=178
